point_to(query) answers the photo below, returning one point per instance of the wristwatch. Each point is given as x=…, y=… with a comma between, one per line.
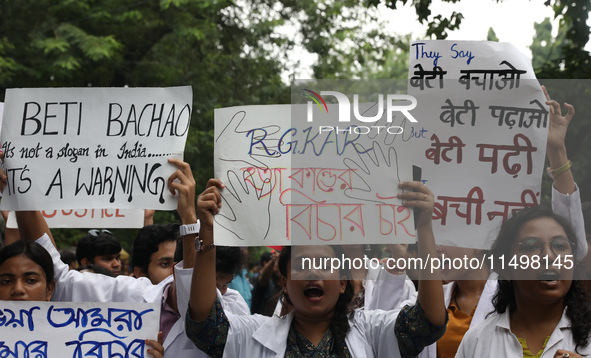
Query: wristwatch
x=200, y=247
x=190, y=229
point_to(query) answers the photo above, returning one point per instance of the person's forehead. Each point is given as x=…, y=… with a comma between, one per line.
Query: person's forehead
x=312, y=251
x=20, y=264
x=543, y=227
x=166, y=250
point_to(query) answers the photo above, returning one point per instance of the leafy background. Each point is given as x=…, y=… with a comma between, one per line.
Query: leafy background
x=246, y=52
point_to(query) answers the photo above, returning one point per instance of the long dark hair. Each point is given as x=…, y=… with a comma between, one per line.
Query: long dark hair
x=578, y=308
x=339, y=325
x=34, y=252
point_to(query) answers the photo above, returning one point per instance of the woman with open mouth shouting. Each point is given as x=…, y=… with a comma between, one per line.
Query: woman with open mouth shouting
x=542, y=310
x=318, y=325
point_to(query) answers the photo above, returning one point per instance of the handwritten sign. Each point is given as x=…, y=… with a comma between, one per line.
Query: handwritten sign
x=483, y=125
x=55, y=329
x=88, y=218
x=83, y=148
x=292, y=182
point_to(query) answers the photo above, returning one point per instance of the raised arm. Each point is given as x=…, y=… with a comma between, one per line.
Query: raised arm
x=32, y=225
x=183, y=183
x=203, y=284
x=566, y=200
x=430, y=294
x=556, y=148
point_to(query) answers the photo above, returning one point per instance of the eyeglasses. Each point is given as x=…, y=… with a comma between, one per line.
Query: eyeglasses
x=532, y=246
x=97, y=232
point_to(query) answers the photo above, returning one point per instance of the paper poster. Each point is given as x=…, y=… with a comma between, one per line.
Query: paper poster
x=88, y=218
x=60, y=329
x=84, y=148
x=296, y=180
x=482, y=121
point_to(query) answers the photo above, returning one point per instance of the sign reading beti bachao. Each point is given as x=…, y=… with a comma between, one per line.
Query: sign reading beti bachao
x=82, y=148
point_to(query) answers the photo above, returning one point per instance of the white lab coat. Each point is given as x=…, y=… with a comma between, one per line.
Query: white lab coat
x=177, y=344
x=386, y=291
x=371, y=335
x=483, y=308
x=493, y=338
x=75, y=286
x=567, y=206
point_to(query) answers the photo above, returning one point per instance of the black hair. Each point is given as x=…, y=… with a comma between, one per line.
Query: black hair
x=34, y=252
x=147, y=241
x=98, y=269
x=265, y=257
x=90, y=246
x=578, y=307
x=227, y=260
x=68, y=256
x=339, y=325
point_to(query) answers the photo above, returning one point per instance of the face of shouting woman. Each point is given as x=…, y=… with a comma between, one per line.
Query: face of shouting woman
x=311, y=286
x=545, y=239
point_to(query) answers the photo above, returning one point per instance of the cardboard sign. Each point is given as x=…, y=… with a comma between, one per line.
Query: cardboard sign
x=84, y=148
x=59, y=329
x=88, y=218
x=482, y=125
x=292, y=182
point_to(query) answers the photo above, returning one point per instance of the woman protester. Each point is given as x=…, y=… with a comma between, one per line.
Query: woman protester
x=318, y=323
x=26, y=274
x=541, y=310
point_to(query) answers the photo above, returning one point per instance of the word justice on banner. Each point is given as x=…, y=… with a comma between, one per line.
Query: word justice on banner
x=88, y=218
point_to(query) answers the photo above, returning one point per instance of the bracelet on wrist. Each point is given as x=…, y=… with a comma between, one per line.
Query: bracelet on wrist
x=554, y=173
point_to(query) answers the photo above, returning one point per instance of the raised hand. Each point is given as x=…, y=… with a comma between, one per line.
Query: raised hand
x=239, y=197
x=183, y=182
x=368, y=184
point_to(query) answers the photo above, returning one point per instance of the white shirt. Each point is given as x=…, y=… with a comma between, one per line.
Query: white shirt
x=483, y=308
x=493, y=338
x=177, y=344
x=75, y=286
x=371, y=335
x=569, y=207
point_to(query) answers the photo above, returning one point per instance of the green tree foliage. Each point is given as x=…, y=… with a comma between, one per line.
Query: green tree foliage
x=491, y=35
x=231, y=53
x=235, y=53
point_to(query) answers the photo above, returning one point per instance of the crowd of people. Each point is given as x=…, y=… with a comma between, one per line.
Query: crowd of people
x=212, y=306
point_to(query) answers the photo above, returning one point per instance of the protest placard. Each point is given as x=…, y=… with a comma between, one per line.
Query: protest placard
x=483, y=125
x=84, y=148
x=60, y=329
x=88, y=218
x=290, y=181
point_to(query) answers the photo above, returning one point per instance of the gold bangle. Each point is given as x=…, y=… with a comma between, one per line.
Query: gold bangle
x=553, y=173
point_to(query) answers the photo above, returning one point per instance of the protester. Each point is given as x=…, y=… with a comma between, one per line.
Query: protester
x=99, y=247
x=241, y=282
x=267, y=285
x=319, y=301
x=540, y=311
x=68, y=256
x=468, y=293
x=26, y=274
x=154, y=250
